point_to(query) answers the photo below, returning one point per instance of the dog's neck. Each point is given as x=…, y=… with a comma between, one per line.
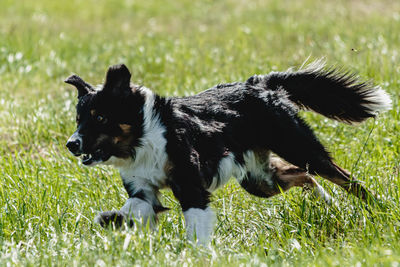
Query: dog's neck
x=149, y=158
x=152, y=127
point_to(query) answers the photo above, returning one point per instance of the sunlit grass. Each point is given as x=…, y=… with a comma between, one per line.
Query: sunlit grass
x=48, y=200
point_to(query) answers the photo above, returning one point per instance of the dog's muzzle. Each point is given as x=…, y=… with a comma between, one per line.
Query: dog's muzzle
x=74, y=144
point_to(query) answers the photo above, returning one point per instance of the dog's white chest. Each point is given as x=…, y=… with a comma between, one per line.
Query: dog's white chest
x=147, y=168
x=144, y=171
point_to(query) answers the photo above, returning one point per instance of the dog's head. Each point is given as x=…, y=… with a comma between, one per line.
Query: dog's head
x=109, y=119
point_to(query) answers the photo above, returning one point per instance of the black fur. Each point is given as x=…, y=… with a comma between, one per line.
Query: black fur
x=83, y=87
x=233, y=118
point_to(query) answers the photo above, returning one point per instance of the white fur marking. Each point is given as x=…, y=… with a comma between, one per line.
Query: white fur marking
x=319, y=192
x=226, y=169
x=140, y=210
x=380, y=101
x=199, y=224
x=258, y=167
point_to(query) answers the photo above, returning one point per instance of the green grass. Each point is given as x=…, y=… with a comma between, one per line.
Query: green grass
x=48, y=200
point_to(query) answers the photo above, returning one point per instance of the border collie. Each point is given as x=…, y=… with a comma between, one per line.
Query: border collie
x=194, y=145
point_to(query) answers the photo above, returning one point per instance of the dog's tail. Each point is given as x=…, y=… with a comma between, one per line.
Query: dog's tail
x=336, y=95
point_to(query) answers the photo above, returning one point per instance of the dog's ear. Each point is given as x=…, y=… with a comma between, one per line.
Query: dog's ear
x=118, y=80
x=83, y=87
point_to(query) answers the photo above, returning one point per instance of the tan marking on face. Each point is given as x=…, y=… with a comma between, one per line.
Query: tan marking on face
x=126, y=128
x=92, y=112
x=118, y=139
x=126, y=133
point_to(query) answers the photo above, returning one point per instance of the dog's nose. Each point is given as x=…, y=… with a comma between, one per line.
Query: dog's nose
x=74, y=145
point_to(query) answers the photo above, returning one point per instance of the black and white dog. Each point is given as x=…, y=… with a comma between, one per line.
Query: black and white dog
x=195, y=144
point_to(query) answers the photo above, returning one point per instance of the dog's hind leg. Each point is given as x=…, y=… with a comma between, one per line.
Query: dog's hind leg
x=297, y=144
x=343, y=178
x=287, y=175
x=280, y=176
x=318, y=164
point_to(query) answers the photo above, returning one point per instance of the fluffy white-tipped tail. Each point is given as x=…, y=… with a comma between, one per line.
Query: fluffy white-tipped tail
x=335, y=94
x=378, y=101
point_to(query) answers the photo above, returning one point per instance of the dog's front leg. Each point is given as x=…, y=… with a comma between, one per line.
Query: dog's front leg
x=199, y=217
x=141, y=206
x=134, y=209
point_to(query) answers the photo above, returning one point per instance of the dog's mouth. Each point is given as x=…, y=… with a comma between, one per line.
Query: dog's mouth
x=96, y=157
x=87, y=159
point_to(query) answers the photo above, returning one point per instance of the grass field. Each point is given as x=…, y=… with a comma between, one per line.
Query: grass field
x=48, y=200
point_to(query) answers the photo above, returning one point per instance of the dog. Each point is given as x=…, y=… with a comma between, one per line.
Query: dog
x=193, y=145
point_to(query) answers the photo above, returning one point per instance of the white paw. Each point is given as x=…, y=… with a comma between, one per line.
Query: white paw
x=140, y=211
x=199, y=224
x=320, y=193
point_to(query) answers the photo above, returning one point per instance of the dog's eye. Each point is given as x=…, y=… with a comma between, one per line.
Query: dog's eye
x=77, y=118
x=101, y=119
